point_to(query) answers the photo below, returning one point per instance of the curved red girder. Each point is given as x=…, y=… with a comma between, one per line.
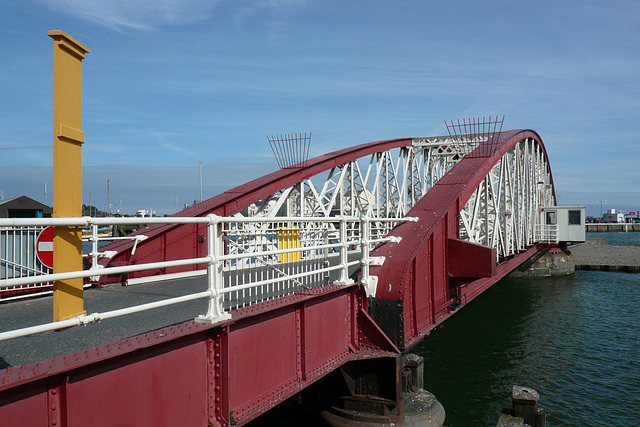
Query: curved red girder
x=417, y=286
x=163, y=241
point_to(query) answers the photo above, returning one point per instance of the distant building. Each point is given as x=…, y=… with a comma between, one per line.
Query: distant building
x=24, y=207
x=632, y=217
x=613, y=216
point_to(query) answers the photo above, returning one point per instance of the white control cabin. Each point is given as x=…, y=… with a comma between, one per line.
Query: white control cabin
x=562, y=224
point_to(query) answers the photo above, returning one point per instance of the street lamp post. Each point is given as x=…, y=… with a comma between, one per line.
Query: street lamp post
x=600, y=206
x=200, y=182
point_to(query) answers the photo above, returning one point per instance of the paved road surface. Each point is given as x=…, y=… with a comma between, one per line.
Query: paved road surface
x=47, y=345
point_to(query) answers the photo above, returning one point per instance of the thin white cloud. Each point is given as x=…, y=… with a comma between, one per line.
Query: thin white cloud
x=105, y=148
x=148, y=15
x=25, y=147
x=144, y=15
x=176, y=148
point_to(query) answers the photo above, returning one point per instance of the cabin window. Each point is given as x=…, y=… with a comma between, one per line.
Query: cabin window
x=551, y=218
x=574, y=218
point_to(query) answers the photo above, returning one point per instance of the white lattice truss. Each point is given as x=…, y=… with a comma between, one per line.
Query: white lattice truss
x=505, y=208
x=384, y=185
x=502, y=212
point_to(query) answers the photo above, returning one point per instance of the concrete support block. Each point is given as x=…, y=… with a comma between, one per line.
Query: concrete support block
x=552, y=264
x=510, y=421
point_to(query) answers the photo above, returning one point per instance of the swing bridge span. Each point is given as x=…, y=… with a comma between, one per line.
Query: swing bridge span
x=336, y=264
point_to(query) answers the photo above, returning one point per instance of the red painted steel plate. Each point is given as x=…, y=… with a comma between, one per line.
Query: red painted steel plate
x=163, y=388
x=262, y=357
x=327, y=332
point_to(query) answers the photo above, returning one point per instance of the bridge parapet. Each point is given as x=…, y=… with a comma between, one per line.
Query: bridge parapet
x=248, y=260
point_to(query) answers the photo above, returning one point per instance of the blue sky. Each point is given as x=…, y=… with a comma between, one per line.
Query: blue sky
x=170, y=84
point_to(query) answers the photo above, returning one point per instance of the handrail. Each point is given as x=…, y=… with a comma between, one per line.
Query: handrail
x=313, y=241
x=102, y=272
x=547, y=233
x=86, y=221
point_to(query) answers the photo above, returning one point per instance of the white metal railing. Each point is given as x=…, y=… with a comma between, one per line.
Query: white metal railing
x=18, y=259
x=249, y=260
x=547, y=233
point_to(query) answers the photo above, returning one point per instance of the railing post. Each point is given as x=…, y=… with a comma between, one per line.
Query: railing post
x=215, y=278
x=365, y=232
x=369, y=282
x=344, y=258
x=94, y=246
x=94, y=250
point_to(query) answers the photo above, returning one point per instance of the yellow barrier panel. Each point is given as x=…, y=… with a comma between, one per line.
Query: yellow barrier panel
x=67, y=171
x=289, y=238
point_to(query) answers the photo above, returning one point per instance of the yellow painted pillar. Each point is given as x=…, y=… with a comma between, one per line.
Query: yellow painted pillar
x=67, y=171
x=289, y=238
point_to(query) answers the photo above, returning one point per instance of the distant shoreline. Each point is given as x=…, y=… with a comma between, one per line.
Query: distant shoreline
x=612, y=227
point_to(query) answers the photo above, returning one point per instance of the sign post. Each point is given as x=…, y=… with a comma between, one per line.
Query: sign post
x=68, y=138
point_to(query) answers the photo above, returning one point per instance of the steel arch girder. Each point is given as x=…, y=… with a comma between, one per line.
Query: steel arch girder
x=154, y=248
x=414, y=289
x=421, y=161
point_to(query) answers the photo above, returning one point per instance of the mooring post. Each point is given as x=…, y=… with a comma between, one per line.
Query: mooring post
x=414, y=365
x=67, y=171
x=525, y=406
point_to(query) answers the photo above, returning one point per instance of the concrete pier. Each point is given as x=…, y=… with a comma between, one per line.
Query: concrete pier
x=593, y=254
x=612, y=227
x=552, y=263
x=597, y=254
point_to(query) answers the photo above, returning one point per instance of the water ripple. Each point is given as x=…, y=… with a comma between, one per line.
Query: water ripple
x=573, y=339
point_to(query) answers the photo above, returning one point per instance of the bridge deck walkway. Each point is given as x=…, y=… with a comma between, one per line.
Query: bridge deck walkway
x=47, y=345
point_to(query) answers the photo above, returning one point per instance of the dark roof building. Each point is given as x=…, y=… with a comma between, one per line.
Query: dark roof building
x=24, y=207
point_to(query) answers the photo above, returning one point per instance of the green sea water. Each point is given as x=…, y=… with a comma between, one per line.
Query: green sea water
x=576, y=340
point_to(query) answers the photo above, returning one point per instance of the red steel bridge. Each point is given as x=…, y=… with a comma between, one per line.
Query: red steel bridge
x=318, y=278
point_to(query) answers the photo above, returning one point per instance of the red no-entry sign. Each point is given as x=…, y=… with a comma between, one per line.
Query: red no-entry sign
x=44, y=247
